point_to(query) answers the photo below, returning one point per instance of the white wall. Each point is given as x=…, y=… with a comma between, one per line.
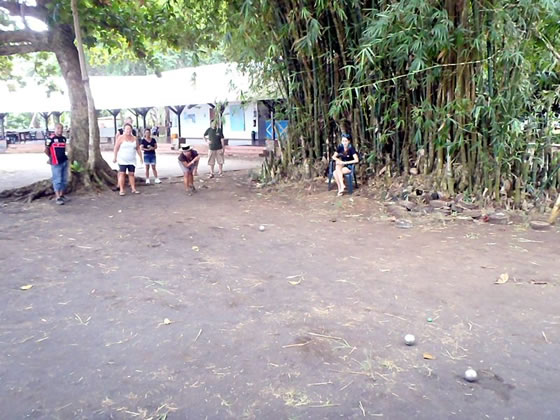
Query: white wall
x=194, y=131
x=196, y=128
x=250, y=109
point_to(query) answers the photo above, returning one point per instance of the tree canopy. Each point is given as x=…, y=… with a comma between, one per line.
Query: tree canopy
x=141, y=30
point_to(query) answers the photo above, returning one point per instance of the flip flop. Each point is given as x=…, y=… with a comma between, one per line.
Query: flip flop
x=135, y=192
x=121, y=193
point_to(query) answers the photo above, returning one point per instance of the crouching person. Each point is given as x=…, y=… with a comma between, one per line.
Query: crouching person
x=188, y=161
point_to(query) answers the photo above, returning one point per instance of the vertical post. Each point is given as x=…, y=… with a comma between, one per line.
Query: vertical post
x=144, y=113
x=167, y=125
x=114, y=113
x=56, y=117
x=180, y=110
x=46, y=116
x=2, y=119
x=177, y=111
x=179, y=122
x=273, y=122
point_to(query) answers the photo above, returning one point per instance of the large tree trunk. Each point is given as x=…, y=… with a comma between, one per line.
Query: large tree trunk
x=87, y=153
x=67, y=57
x=96, y=161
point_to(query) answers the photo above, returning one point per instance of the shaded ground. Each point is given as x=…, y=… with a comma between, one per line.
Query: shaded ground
x=161, y=303
x=20, y=169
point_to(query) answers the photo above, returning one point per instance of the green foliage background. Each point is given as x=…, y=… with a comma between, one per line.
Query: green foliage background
x=463, y=91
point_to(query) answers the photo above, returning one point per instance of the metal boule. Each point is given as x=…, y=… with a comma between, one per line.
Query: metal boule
x=471, y=375
x=409, y=339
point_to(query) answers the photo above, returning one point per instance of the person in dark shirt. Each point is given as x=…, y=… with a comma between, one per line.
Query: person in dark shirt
x=55, y=149
x=127, y=120
x=149, y=146
x=188, y=161
x=214, y=137
x=344, y=156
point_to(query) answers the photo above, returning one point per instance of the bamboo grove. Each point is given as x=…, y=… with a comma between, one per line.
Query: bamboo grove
x=460, y=92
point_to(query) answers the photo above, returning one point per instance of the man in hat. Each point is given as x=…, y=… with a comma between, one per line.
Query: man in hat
x=188, y=161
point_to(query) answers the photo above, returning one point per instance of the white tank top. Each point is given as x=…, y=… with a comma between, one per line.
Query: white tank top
x=127, y=153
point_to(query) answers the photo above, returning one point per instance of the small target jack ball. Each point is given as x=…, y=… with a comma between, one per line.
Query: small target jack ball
x=409, y=339
x=471, y=375
x=261, y=228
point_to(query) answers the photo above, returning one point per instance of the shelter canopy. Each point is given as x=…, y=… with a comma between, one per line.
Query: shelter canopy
x=193, y=85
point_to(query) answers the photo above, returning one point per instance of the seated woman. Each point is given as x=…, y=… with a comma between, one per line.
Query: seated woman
x=345, y=155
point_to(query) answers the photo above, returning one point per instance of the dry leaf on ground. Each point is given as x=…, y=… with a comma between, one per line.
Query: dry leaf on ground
x=504, y=277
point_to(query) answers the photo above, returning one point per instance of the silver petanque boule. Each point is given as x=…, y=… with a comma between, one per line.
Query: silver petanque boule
x=261, y=228
x=471, y=375
x=409, y=339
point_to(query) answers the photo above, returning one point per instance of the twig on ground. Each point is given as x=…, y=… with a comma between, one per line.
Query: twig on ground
x=363, y=410
x=346, y=386
x=325, y=405
x=453, y=357
x=395, y=316
x=330, y=337
x=287, y=346
x=320, y=383
x=82, y=322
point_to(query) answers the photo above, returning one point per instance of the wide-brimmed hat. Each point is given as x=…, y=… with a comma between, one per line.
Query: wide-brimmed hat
x=186, y=147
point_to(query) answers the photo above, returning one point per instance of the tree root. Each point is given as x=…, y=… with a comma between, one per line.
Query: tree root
x=29, y=192
x=85, y=181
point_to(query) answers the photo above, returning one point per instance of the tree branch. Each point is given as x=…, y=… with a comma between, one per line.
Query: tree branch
x=23, y=42
x=21, y=49
x=16, y=9
x=548, y=45
x=25, y=35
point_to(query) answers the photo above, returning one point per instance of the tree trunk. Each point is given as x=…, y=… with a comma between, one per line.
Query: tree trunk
x=96, y=162
x=94, y=165
x=67, y=57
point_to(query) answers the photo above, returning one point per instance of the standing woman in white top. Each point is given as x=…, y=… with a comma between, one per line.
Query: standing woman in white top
x=126, y=148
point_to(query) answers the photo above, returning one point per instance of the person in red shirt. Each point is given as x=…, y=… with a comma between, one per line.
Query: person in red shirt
x=55, y=149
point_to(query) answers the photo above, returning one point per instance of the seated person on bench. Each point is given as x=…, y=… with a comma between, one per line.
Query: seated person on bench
x=345, y=155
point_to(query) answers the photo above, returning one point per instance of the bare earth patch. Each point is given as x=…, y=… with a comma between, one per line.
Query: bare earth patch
x=168, y=306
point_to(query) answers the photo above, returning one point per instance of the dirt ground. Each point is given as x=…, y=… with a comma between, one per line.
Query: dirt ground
x=20, y=169
x=168, y=306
